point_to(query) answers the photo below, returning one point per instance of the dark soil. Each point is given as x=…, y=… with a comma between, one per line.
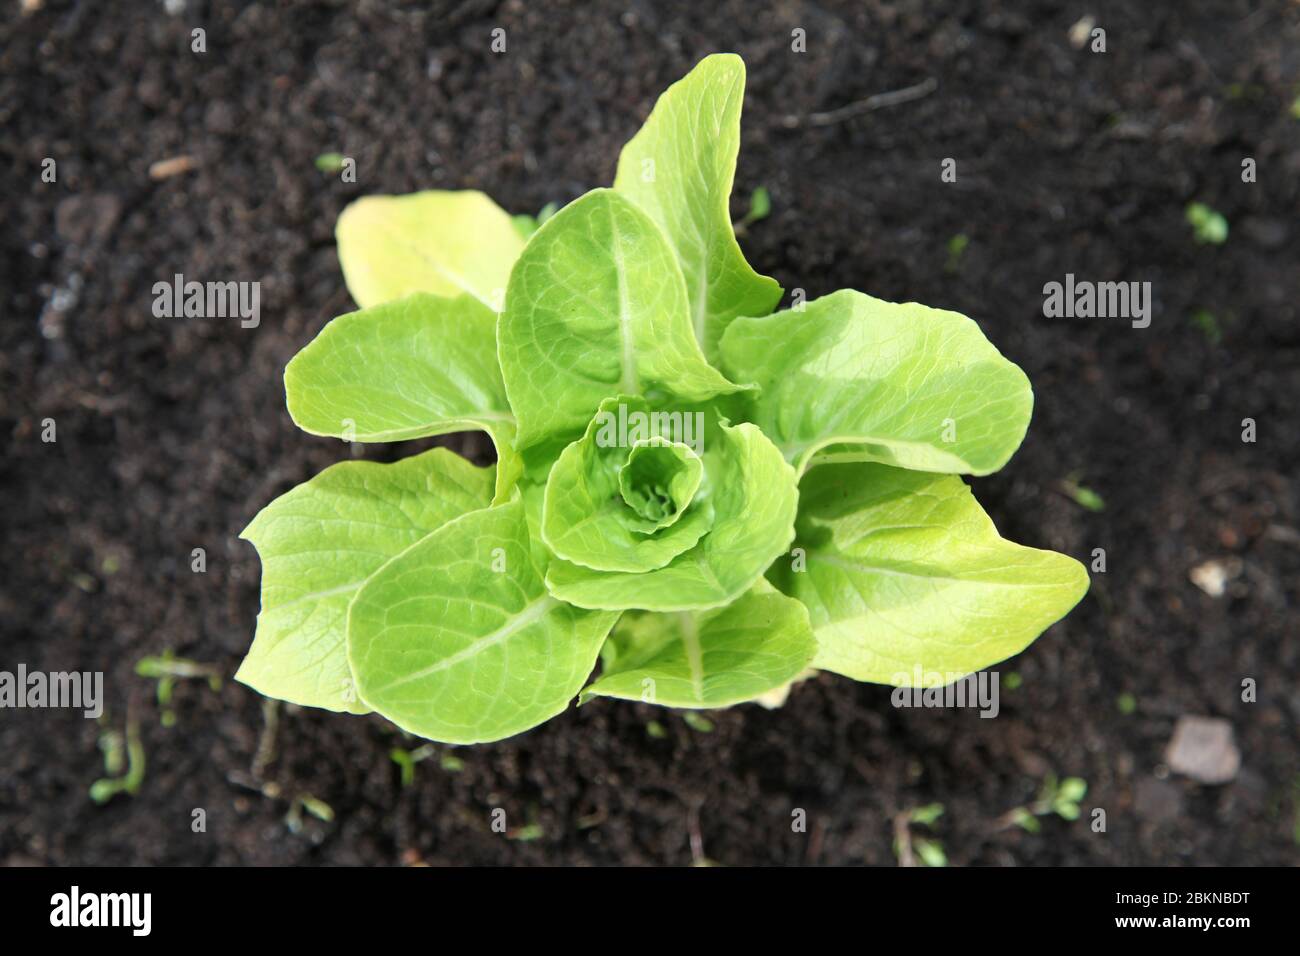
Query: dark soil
x=173, y=433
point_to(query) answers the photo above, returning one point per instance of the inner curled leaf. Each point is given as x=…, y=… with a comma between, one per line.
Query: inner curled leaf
x=625, y=498
x=659, y=481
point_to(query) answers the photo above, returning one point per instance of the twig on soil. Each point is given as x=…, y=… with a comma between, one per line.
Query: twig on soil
x=875, y=102
x=903, y=838
x=1282, y=533
x=105, y=406
x=173, y=166
x=698, y=857
x=266, y=742
x=815, y=841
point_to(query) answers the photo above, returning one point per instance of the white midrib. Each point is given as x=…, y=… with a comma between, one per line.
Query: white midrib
x=529, y=615
x=694, y=656
x=628, y=382
x=319, y=595
x=851, y=564
x=701, y=305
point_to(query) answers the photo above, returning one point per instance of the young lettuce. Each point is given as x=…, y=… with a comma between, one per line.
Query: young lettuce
x=710, y=497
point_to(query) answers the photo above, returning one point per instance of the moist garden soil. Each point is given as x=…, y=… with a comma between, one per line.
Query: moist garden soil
x=172, y=433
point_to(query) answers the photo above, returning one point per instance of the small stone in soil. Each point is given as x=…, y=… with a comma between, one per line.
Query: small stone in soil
x=1203, y=748
x=1213, y=576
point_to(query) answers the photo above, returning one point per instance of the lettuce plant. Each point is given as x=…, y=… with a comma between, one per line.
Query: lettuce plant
x=709, y=496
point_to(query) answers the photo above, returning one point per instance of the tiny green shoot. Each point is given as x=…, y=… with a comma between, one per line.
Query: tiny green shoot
x=911, y=848
x=167, y=669
x=928, y=814
x=760, y=207
x=1208, y=324
x=930, y=851
x=329, y=162
x=105, y=788
x=112, y=743
x=956, y=248
x=527, y=833
x=305, y=802
x=451, y=763
x=697, y=722
x=1054, y=797
x=407, y=759
x=1082, y=496
x=1208, y=226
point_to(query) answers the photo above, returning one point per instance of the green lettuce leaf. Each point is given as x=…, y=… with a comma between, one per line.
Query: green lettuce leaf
x=905, y=573
x=456, y=639
x=679, y=168
x=445, y=242
x=596, y=306
x=420, y=366
x=870, y=380
x=754, y=496
x=319, y=543
x=715, y=658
